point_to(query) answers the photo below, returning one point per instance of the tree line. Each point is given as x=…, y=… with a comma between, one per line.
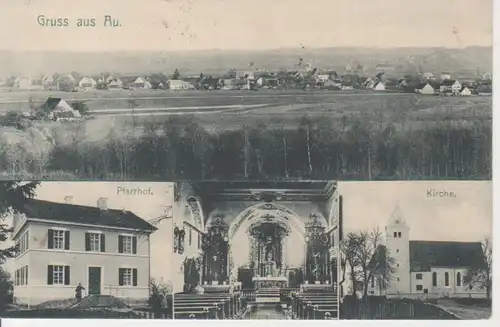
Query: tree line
x=310, y=148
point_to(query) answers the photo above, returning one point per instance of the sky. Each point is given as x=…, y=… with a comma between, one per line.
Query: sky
x=87, y=193
x=468, y=217
x=179, y=25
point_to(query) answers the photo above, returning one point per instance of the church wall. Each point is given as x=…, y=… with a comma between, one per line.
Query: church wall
x=181, y=215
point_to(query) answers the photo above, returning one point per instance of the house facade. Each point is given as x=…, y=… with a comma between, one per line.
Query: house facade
x=141, y=83
x=61, y=245
x=450, y=86
x=87, y=83
x=177, y=85
x=380, y=86
x=426, y=269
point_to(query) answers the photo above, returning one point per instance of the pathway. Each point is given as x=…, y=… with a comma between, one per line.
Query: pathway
x=465, y=312
x=265, y=312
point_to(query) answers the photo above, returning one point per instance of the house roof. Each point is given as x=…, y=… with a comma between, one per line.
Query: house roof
x=427, y=254
x=51, y=103
x=79, y=214
x=422, y=85
x=448, y=82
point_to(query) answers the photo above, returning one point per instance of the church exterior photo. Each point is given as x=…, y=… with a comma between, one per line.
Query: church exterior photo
x=423, y=269
x=260, y=240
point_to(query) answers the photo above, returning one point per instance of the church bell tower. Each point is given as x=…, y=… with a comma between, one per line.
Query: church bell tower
x=398, y=246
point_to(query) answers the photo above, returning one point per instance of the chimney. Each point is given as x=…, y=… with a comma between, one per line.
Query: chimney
x=68, y=199
x=102, y=203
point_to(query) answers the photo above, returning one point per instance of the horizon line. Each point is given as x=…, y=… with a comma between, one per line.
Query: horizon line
x=253, y=50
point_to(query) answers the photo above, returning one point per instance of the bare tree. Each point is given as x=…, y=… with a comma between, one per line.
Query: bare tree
x=480, y=274
x=368, y=258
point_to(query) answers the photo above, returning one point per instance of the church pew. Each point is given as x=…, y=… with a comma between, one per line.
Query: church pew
x=231, y=301
x=220, y=308
x=314, y=305
x=228, y=303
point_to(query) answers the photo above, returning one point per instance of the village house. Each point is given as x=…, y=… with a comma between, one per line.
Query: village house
x=236, y=84
x=402, y=83
x=178, y=85
x=246, y=74
x=445, y=76
x=210, y=83
x=425, y=88
x=428, y=76
x=87, y=82
x=484, y=90
x=141, y=83
x=58, y=109
x=465, y=91
x=48, y=82
x=114, y=83
x=61, y=245
x=380, y=86
x=450, y=86
x=369, y=83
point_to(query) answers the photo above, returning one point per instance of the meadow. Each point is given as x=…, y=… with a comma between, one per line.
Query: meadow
x=300, y=134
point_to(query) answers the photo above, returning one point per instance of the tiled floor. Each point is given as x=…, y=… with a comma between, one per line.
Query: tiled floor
x=266, y=312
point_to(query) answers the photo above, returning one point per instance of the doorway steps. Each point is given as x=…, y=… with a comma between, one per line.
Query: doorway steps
x=100, y=301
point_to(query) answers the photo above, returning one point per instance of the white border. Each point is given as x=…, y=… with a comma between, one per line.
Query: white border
x=360, y=323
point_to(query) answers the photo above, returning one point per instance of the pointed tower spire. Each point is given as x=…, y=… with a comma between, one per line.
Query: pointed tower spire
x=397, y=214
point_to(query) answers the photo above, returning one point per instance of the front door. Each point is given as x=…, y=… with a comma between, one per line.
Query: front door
x=94, y=280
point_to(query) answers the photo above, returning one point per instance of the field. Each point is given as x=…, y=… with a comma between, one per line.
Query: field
x=254, y=134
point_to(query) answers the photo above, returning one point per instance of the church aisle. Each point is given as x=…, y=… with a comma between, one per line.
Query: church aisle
x=266, y=312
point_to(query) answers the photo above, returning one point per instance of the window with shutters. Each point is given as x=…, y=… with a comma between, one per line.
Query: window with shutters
x=58, y=237
x=58, y=275
x=418, y=276
x=127, y=277
x=94, y=242
x=420, y=288
x=127, y=244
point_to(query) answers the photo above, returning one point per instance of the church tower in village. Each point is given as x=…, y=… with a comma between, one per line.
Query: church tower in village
x=398, y=246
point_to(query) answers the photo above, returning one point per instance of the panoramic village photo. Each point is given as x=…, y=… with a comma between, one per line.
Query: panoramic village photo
x=256, y=250
x=416, y=250
x=86, y=250
x=172, y=94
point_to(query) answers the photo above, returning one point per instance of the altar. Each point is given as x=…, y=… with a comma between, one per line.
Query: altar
x=270, y=282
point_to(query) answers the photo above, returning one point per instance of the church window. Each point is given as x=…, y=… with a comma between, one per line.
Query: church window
x=373, y=282
x=190, y=235
x=398, y=279
x=397, y=250
x=434, y=279
x=398, y=264
x=446, y=279
x=395, y=234
x=399, y=234
x=459, y=279
x=418, y=276
x=419, y=287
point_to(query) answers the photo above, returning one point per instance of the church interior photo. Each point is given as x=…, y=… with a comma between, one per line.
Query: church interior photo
x=256, y=250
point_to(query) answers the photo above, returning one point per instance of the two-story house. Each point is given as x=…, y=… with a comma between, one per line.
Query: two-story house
x=62, y=244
